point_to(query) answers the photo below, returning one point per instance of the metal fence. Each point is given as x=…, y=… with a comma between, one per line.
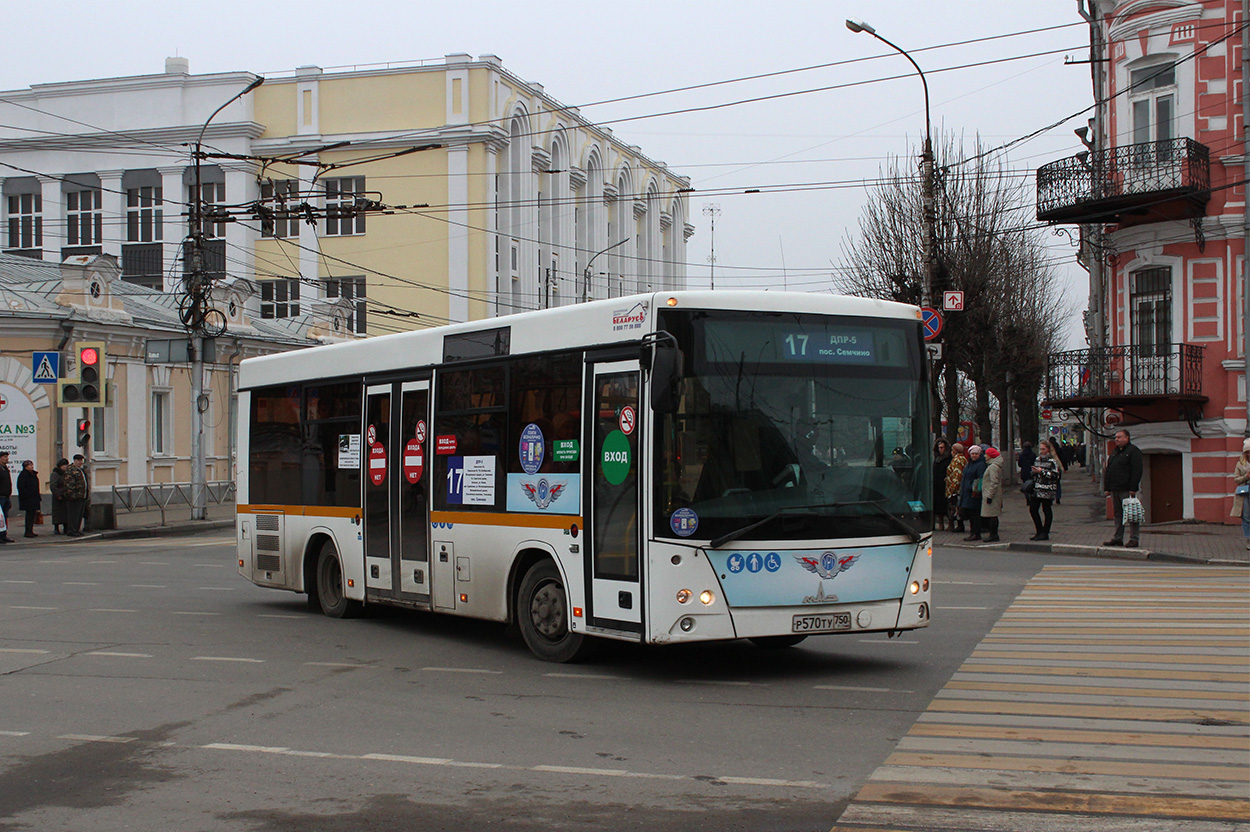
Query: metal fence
x=163, y=495
x=1125, y=371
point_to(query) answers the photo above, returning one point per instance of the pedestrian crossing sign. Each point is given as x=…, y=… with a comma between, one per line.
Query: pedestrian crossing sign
x=45, y=367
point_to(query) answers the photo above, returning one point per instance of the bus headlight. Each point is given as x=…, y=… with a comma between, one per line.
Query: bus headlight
x=706, y=597
x=683, y=596
x=914, y=587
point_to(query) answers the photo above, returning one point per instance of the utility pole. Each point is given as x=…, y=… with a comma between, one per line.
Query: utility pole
x=195, y=317
x=586, y=273
x=712, y=210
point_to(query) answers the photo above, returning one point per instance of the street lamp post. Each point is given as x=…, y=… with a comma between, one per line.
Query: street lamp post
x=926, y=169
x=589, y=263
x=197, y=291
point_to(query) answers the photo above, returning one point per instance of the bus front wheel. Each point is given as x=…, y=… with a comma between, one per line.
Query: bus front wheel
x=543, y=616
x=331, y=591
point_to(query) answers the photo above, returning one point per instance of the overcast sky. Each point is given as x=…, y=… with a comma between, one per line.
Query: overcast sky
x=588, y=52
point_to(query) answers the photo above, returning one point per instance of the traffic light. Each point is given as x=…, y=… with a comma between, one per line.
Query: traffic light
x=86, y=389
x=84, y=438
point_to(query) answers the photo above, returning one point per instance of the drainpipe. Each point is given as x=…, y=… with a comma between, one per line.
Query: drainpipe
x=232, y=425
x=1096, y=261
x=1245, y=237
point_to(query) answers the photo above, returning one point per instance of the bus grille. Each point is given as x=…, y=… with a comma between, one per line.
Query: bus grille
x=266, y=522
x=268, y=543
x=269, y=563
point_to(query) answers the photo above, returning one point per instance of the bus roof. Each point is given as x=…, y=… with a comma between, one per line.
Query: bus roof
x=598, y=323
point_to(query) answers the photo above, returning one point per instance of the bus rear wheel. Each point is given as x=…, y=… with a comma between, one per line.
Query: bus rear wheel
x=776, y=642
x=543, y=616
x=331, y=590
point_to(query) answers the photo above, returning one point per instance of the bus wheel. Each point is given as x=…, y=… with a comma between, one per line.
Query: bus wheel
x=776, y=642
x=543, y=616
x=330, y=590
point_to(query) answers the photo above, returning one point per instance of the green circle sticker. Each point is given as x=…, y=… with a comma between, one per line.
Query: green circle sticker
x=615, y=457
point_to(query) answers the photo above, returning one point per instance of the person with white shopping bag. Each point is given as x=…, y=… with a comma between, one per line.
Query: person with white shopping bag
x=1121, y=480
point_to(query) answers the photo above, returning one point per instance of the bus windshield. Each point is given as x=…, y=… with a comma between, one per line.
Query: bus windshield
x=817, y=425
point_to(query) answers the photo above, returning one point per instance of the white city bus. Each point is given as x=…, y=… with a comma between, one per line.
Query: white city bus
x=662, y=468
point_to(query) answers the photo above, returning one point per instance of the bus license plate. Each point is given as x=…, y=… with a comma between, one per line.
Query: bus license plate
x=821, y=623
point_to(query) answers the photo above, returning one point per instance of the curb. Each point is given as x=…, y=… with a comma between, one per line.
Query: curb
x=176, y=530
x=1108, y=552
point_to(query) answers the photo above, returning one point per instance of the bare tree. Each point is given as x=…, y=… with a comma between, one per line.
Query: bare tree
x=986, y=247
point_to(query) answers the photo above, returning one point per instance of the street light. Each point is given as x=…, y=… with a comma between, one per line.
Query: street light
x=586, y=271
x=926, y=166
x=198, y=296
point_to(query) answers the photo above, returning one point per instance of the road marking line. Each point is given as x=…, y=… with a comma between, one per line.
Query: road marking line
x=112, y=654
x=403, y=758
x=603, y=772
x=79, y=583
x=18, y=582
x=865, y=690
x=26, y=651
x=226, y=659
x=108, y=610
x=14, y=733
x=582, y=676
x=462, y=670
x=95, y=738
x=16, y=607
x=229, y=746
x=765, y=781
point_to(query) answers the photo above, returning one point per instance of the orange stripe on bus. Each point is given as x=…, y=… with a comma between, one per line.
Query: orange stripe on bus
x=531, y=521
x=300, y=511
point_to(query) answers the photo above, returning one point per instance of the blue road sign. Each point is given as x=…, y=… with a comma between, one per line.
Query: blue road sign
x=932, y=320
x=45, y=367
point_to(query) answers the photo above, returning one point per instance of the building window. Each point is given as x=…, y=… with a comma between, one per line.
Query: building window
x=84, y=218
x=213, y=206
x=279, y=199
x=345, y=200
x=99, y=424
x=144, y=214
x=1152, y=311
x=350, y=288
x=1152, y=94
x=279, y=298
x=26, y=221
x=162, y=422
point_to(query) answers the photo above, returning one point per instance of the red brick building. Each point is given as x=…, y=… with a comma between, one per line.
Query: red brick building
x=1160, y=197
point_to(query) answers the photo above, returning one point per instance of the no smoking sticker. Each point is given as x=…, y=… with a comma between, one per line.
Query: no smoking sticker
x=627, y=420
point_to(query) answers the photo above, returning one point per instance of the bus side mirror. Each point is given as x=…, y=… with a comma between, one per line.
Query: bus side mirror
x=666, y=366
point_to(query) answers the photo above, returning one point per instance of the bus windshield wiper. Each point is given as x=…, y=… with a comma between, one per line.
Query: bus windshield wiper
x=898, y=522
x=729, y=537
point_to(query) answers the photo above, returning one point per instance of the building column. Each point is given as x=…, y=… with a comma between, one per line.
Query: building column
x=174, y=226
x=53, y=217
x=241, y=237
x=308, y=260
x=113, y=207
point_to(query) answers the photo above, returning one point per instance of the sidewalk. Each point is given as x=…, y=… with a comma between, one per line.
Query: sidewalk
x=130, y=524
x=1080, y=527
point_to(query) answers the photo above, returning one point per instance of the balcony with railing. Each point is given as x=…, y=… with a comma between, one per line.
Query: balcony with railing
x=1147, y=182
x=1125, y=375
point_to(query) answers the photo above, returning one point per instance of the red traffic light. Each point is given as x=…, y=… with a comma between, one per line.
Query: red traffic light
x=89, y=356
x=84, y=424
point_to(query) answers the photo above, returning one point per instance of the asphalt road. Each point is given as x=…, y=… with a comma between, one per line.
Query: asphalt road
x=145, y=686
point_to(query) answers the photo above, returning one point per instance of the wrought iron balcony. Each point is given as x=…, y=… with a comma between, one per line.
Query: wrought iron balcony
x=1146, y=182
x=1124, y=375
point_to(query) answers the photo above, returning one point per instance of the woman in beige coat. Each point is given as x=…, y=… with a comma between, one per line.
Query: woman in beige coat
x=1241, y=505
x=992, y=493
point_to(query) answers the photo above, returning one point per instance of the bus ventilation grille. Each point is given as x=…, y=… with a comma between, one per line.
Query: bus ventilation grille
x=267, y=522
x=269, y=563
x=268, y=543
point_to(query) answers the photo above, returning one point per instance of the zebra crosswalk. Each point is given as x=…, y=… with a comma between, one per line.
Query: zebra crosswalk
x=1107, y=697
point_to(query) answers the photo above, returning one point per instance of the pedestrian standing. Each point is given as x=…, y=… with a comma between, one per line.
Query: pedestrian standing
x=1045, y=475
x=6, y=484
x=56, y=484
x=970, y=492
x=1120, y=479
x=992, y=493
x=1241, y=482
x=954, y=479
x=28, y=499
x=75, y=496
x=941, y=464
x=1025, y=461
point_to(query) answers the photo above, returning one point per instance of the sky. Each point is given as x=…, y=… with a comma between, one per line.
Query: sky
x=837, y=122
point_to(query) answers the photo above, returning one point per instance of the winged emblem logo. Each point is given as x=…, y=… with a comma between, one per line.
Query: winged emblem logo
x=828, y=566
x=543, y=493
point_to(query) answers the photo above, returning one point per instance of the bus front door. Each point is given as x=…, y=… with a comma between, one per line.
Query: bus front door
x=612, y=564
x=397, y=491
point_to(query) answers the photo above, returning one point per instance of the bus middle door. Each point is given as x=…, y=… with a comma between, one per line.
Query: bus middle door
x=614, y=596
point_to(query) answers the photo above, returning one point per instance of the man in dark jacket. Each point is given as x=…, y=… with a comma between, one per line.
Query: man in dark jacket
x=6, y=483
x=1120, y=479
x=1025, y=461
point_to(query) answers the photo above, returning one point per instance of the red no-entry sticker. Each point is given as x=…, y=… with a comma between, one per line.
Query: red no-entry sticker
x=377, y=463
x=414, y=461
